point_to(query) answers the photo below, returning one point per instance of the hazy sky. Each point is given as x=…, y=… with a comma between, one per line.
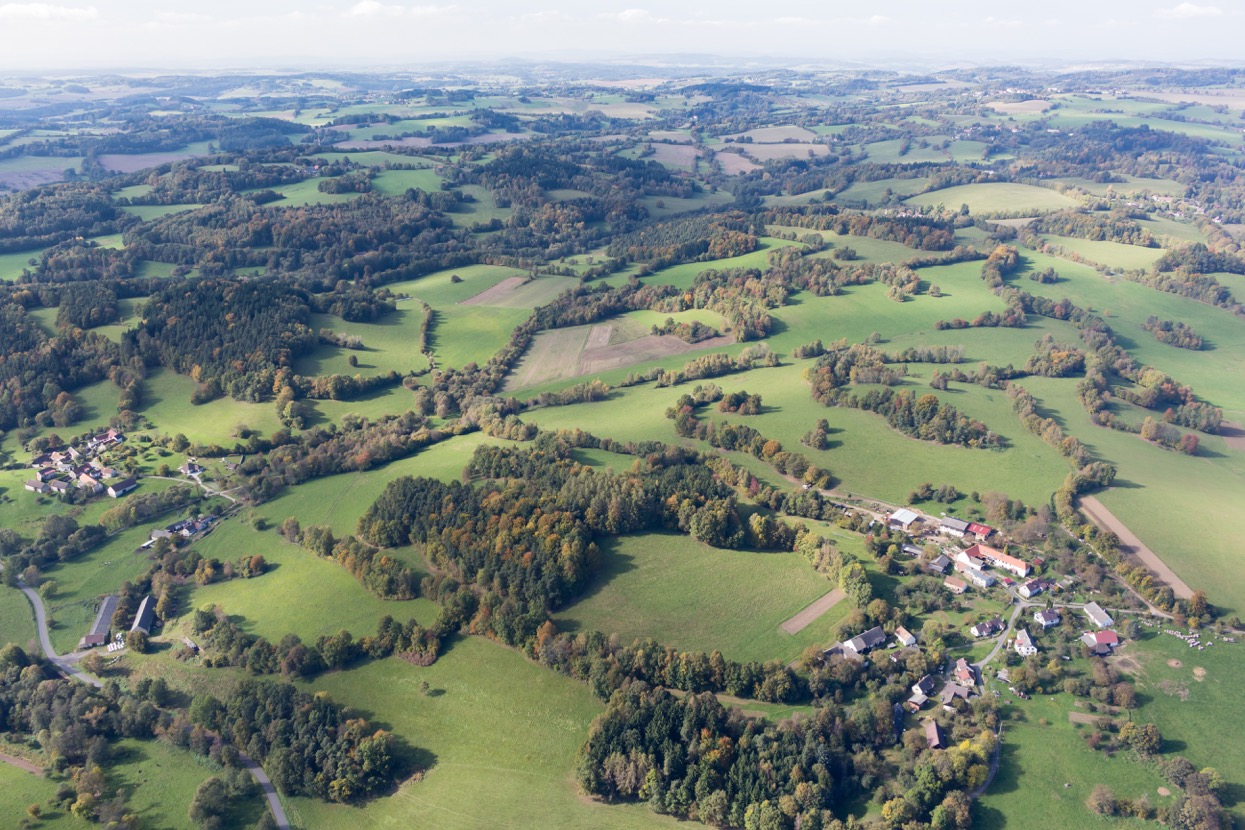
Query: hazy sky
x=282, y=33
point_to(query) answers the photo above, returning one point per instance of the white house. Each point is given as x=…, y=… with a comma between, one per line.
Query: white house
x=1097, y=616
x=1046, y=617
x=1024, y=644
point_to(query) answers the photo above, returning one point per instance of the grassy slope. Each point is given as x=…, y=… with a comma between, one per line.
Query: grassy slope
x=19, y=789
x=499, y=734
x=996, y=196
x=17, y=621
x=694, y=597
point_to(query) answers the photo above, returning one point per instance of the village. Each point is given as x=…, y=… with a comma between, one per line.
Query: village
x=61, y=471
x=982, y=577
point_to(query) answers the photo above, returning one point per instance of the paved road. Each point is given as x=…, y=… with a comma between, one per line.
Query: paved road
x=65, y=664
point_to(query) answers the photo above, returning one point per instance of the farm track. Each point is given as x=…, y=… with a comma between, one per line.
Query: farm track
x=1129, y=543
x=812, y=612
x=21, y=763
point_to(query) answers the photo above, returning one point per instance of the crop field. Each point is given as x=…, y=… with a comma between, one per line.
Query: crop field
x=131, y=162
x=677, y=156
x=589, y=350
x=770, y=152
x=31, y=171
x=735, y=164
x=498, y=736
x=521, y=292
x=776, y=135
x=996, y=197
x=691, y=596
x=892, y=152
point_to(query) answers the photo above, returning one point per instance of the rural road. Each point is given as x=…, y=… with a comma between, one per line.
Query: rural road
x=1129, y=543
x=65, y=664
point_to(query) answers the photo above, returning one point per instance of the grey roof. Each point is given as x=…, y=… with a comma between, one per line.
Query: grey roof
x=953, y=690
x=863, y=642
x=103, y=620
x=955, y=524
x=146, y=615
x=940, y=563
x=1100, y=618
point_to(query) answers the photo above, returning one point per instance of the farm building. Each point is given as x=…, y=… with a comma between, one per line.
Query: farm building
x=1108, y=639
x=98, y=635
x=903, y=519
x=953, y=692
x=121, y=487
x=988, y=628
x=971, y=569
x=1097, y=616
x=953, y=527
x=862, y=643
x=146, y=616
x=999, y=559
x=955, y=586
x=904, y=637
x=912, y=550
x=933, y=735
x=1046, y=617
x=939, y=564
x=59, y=485
x=35, y=486
x=1024, y=644
x=981, y=531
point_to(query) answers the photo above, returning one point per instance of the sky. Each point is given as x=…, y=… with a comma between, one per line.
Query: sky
x=276, y=34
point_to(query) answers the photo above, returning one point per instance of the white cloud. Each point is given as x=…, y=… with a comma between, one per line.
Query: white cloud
x=1186, y=11
x=634, y=16
x=371, y=8
x=47, y=11
x=182, y=17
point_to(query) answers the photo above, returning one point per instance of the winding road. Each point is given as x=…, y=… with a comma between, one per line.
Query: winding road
x=66, y=664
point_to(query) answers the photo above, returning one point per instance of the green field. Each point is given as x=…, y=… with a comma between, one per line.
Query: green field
x=302, y=594
x=1114, y=254
x=19, y=789
x=875, y=192
x=12, y=265
x=166, y=402
x=688, y=595
x=498, y=737
x=17, y=620
x=149, y=212
x=390, y=344
x=996, y=197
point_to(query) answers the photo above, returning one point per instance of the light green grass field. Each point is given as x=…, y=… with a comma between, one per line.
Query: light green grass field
x=150, y=212
x=996, y=197
x=888, y=152
x=873, y=193
x=688, y=595
x=391, y=344
x=17, y=621
x=1115, y=254
x=162, y=781
x=302, y=594
x=12, y=265
x=19, y=789
x=682, y=276
x=397, y=182
x=1195, y=727
x=1037, y=761
x=498, y=737
x=166, y=402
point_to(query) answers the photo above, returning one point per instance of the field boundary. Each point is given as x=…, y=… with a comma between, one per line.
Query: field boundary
x=809, y=614
x=1129, y=543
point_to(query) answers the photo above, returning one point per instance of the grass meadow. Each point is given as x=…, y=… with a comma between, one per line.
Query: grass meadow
x=686, y=594
x=497, y=736
x=996, y=197
x=17, y=620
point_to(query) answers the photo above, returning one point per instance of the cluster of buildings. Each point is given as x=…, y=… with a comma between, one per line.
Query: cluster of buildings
x=101, y=629
x=63, y=469
x=186, y=528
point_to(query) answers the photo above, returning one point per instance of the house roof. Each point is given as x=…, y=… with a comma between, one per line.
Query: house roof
x=146, y=615
x=904, y=636
x=955, y=524
x=953, y=690
x=866, y=640
x=940, y=562
x=1023, y=640
x=980, y=529
x=924, y=686
x=103, y=619
x=1099, y=617
x=1047, y=615
x=997, y=557
x=933, y=734
x=904, y=516
x=125, y=484
x=957, y=584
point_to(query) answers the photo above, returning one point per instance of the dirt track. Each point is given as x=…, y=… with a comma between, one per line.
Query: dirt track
x=807, y=615
x=21, y=763
x=1129, y=543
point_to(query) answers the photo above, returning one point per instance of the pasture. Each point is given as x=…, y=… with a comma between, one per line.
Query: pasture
x=19, y=789
x=497, y=737
x=688, y=595
x=995, y=197
x=1113, y=254
x=17, y=618
x=166, y=402
x=389, y=344
x=876, y=192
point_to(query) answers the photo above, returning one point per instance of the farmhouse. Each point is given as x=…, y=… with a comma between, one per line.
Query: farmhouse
x=964, y=673
x=924, y=686
x=1024, y=644
x=863, y=643
x=903, y=519
x=120, y=488
x=955, y=586
x=988, y=628
x=146, y=616
x=970, y=568
x=904, y=637
x=1097, y=616
x=939, y=564
x=953, y=527
x=36, y=486
x=1032, y=588
x=190, y=468
x=933, y=735
x=1046, y=617
x=90, y=483
x=912, y=550
x=953, y=692
x=98, y=635
x=999, y=559
x=46, y=474
x=59, y=485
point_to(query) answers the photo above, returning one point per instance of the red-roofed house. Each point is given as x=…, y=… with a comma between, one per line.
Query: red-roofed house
x=979, y=530
x=999, y=559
